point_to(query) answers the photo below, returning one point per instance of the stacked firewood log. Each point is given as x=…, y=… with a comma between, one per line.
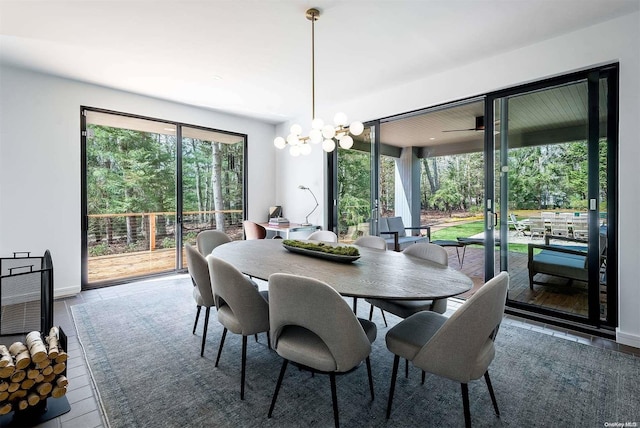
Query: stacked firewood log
x=32, y=371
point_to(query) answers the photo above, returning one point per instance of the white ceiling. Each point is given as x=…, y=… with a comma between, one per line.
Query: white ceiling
x=253, y=58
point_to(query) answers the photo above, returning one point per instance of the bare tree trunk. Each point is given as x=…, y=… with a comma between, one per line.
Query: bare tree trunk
x=109, y=230
x=216, y=184
x=132, y=229
x=198, y=186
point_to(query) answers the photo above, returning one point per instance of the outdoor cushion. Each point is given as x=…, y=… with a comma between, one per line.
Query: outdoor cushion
x=558, y=261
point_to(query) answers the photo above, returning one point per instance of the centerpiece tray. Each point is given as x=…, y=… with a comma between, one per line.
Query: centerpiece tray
x=321, y=254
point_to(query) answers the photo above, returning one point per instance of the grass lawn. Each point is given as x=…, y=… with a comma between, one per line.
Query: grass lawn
x=469, y=229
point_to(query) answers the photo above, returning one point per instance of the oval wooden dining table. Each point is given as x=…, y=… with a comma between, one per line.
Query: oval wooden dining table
x=376, y=274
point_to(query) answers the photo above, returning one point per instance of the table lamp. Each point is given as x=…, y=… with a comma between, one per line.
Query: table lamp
x=306, y=220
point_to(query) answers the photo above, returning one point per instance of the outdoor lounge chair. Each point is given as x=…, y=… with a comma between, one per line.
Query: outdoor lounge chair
x=394, y=232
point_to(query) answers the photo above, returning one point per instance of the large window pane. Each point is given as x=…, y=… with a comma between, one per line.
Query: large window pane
x=130, y=171
x=212, y=182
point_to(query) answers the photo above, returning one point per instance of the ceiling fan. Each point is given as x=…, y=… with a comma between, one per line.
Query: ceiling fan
x=479, y=126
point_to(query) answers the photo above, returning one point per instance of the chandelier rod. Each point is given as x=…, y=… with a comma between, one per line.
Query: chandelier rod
x=312, y=15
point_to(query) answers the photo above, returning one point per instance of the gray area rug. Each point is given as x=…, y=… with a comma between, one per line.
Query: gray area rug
x=147, y=368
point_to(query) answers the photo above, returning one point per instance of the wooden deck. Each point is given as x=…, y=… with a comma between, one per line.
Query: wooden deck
x=558, y=296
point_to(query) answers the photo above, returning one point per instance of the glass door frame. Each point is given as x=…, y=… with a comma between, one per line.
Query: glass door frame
x=592, y=76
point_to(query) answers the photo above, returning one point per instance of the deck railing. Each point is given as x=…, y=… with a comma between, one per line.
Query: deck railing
x=110, y=234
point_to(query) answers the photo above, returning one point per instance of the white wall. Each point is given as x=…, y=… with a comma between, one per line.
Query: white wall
x=615, y=40
x=40, y=164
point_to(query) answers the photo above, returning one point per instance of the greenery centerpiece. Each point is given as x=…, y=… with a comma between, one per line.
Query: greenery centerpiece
x=321, y=247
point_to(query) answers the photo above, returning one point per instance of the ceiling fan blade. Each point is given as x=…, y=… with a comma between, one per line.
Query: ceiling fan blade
x=458, y=130
x=479, y=126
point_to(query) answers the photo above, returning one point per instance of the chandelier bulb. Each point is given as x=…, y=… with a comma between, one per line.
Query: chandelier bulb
x=305, y=149
x=346, y=142
x=328, y=145
x=294, y=151
x=356, y=128
x=328, y=131
x=315, y=135
x=296, y=129
x=340, y=119
x=317, y=123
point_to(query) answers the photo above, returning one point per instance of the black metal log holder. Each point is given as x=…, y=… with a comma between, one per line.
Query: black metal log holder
x=20, y=276
x=36, y=272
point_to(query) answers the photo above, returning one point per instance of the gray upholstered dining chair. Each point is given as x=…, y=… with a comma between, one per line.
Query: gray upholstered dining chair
x=378, y=243
x=314, y=328
x=459, y=348
x=207, y=240
x=323, y=235
x=202, y=291
x=253, y=230
x=242, y=309
x=406, y=308
x=371, y=241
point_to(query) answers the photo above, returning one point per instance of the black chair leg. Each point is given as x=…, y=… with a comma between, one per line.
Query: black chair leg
x=406, y=368
x=394, y=374
x=224, y=334
x=465, y=403
x=493, y=396
x=204, y=333
x=278, y=384
x=334, y=399
x=244, y=363
x=423, y=376
x=371, y=313
x=355, y=305
x=256, y=337
x=384, y=318
x=195, y=324
x=370, y=377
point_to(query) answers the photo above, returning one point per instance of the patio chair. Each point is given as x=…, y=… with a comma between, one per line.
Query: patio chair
x=537, y=227
x=517, y=225
x=560, y=227
x=580, y=227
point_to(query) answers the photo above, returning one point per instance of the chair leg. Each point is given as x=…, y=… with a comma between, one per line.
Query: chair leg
x=256, y=337
x=384, y=318
x=195, y=324
x=370, y=377
x=355, y=305
x=278, y=384
x=465, y=403
x=371, y=313
x=394, y=374
x=224, y=334
x=493, y=396
x=406, y=368
x=244, y=363
x=334, y=399
x=423, y=376
x=204, y=332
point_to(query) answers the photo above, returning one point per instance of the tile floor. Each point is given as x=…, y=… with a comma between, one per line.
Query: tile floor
x=85, y=410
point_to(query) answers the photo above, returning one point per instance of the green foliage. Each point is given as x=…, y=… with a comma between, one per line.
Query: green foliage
x=101, y=249
x=341, y=250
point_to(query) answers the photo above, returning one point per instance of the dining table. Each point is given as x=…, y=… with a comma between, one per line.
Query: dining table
x=375, y=274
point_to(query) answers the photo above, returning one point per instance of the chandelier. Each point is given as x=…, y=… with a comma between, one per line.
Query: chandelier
x=320, y=132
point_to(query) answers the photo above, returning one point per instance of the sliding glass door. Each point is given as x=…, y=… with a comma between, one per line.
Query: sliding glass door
x=148, y=187
x=553, y=158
